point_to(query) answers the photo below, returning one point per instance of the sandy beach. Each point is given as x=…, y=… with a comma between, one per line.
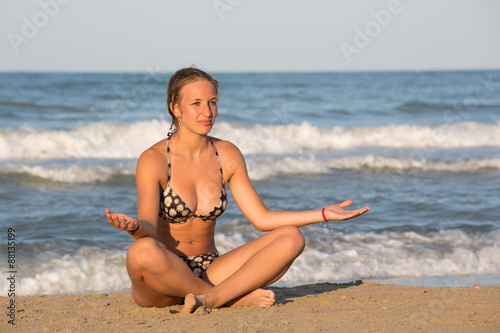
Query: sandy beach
x=348, y=307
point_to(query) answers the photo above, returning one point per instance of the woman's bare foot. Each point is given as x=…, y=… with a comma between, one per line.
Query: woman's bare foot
x=192, y=302
x=259, y=297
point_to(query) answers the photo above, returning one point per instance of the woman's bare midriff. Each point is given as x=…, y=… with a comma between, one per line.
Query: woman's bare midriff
x=195, y=237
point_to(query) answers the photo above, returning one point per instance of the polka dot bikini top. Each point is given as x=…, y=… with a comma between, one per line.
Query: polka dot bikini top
x=174, y=210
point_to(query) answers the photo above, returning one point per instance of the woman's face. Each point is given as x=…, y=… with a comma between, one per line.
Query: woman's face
x=197, y=107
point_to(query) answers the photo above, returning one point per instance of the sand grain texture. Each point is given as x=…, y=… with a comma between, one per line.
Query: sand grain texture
x=350, y=307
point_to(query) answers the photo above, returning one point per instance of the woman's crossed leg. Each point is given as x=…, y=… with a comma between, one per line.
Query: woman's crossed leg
x=238, y=274
x=160, y=278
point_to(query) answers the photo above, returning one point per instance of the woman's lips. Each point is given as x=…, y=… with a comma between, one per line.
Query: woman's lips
x=206, y=122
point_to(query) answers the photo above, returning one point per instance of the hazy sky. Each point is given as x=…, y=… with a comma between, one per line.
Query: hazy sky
x=249, y=35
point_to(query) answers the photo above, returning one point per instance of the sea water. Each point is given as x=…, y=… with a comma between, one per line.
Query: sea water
x=421, y=148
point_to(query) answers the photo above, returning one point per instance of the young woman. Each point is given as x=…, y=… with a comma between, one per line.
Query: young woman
x=181, y=191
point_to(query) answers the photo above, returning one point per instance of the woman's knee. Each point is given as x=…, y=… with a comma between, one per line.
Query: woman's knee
x=294, y=238
x=143, y=252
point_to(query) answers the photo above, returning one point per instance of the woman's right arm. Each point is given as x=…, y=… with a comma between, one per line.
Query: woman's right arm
x=148, y=170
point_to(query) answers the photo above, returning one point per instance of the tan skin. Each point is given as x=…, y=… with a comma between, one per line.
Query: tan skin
x=159, y=277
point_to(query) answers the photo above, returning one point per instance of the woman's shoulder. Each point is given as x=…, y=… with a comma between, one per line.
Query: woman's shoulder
x=225, y=147
x=231, y=158
x=155, y=153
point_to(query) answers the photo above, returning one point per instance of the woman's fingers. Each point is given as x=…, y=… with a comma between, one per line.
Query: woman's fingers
x=117, y=221
x=114, y=221
x=110, y=216
x=120, y=222
x=345, y=203
x=342, y=214
x=123, y=223
x=361, y=211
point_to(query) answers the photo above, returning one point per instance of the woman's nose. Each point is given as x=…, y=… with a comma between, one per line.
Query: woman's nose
x=209, y=110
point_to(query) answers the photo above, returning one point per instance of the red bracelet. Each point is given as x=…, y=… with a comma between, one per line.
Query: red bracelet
x=323, y=213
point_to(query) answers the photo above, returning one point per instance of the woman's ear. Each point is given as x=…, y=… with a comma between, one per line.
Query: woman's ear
x=175, y=110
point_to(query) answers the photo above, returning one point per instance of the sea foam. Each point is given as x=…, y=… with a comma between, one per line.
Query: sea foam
x=329, y=256
x=72, y=174
x=260, y=169
x=101, y=140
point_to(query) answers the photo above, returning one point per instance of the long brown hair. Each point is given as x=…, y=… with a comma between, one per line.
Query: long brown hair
x=177, y=82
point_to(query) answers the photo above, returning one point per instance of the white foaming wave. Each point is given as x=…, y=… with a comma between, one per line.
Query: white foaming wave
x=267, y=168
x=408, y=164
x=98, y=140
x=396, y=255
x=102, y=140
x=72, y=174
x=329, y=256
x=334, y=256
x=89, y=269
x=261, y=169
x=306, y=137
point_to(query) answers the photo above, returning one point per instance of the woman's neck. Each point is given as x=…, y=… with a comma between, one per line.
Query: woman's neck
x=192, y=145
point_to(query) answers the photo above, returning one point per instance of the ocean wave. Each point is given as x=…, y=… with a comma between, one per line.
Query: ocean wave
x=261, y=169
x=267, y=168
x=329, y=256
x=88, y=269
x=102, y=140
x=416, y=107
x=398, y=255
x=38, y=107
x=98, y=140
x=72, y=174
x=302, y=138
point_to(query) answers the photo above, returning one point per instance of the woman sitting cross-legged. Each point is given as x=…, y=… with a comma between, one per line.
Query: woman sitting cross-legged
x=181, y=191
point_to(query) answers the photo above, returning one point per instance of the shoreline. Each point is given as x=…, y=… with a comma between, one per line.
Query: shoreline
x=352, y=307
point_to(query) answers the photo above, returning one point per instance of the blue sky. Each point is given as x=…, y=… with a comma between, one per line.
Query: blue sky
x=248, y=35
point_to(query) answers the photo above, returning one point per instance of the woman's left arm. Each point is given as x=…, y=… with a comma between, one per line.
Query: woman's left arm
x=264, y=219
